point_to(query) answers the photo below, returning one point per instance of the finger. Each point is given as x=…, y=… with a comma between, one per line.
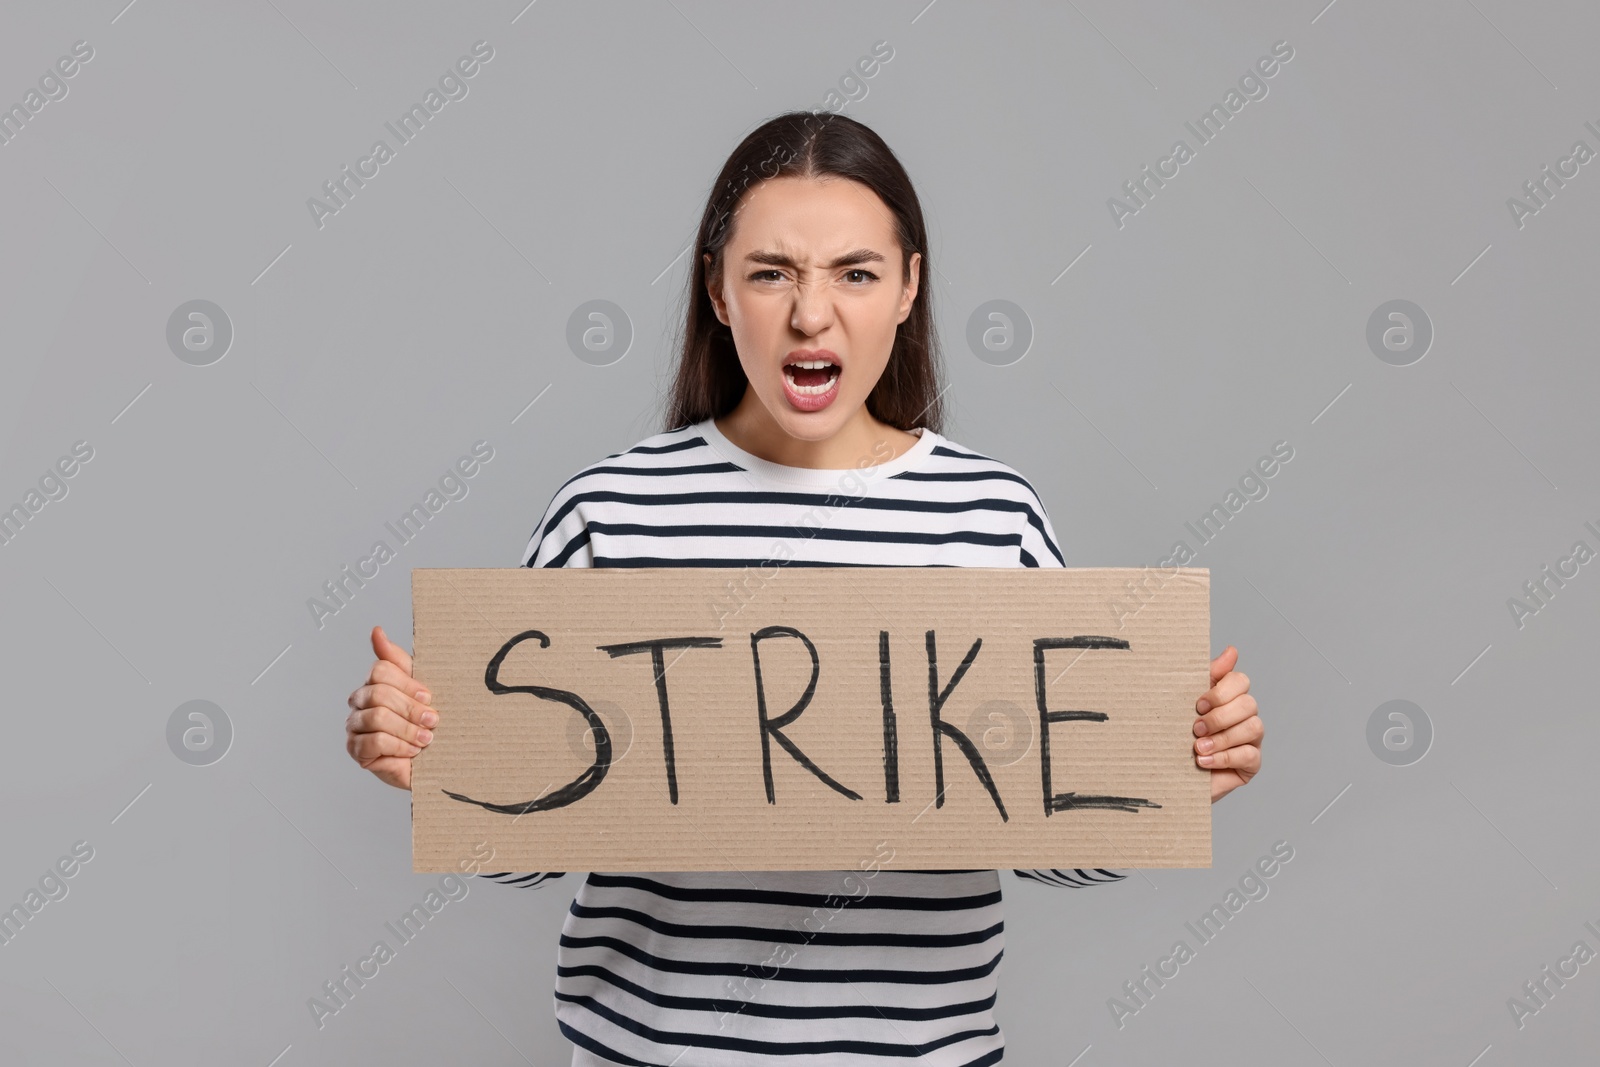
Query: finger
x=388, y=672
x=1232, y=684
x=380, y=719
x=386, y=696
x=381, y=694
x=1232, y=713
x=1246, y=759
x=1248, y=732
x=1222, y=664
x=367, y=747
x=396, y=771
x=387, y=649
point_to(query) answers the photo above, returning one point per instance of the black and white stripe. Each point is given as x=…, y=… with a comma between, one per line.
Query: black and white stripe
x=757, y=969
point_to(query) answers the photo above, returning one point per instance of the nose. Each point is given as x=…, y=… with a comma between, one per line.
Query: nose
x=813, y=309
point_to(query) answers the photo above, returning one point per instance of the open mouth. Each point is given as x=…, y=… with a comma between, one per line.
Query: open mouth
x=811, y=377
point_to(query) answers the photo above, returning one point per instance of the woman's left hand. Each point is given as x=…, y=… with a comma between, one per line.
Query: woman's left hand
x=1228, y=730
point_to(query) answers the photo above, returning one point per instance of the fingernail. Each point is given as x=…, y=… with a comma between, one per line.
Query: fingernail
x=1205, y=744
x=1205, y=761
x=424, y=736
x=423, y=695
x=1200, y=728
x=1204, y=705
x=429, y=718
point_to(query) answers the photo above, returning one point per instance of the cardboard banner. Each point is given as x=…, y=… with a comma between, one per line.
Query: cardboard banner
x=689, y=718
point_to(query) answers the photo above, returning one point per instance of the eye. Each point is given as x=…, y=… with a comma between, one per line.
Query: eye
x=867, y=273
x=761, y=275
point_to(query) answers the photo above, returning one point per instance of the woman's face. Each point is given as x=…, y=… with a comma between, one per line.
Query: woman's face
x=811, y=272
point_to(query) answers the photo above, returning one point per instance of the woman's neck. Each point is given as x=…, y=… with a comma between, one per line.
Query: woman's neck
x=863, y=437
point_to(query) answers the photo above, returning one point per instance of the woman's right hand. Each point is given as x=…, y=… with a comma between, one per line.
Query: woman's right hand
x=390, y=720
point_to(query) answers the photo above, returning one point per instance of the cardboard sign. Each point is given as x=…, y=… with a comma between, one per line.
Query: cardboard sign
x=687, y=718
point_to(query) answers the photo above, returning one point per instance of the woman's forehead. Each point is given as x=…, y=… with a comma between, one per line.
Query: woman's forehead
x=812, y=211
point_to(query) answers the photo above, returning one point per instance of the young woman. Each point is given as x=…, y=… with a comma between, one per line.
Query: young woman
x=806, y=388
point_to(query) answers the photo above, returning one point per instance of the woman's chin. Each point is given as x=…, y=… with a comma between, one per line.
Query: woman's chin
x=807, y=425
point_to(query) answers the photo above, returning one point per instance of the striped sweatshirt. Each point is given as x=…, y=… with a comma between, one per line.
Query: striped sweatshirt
x=760, y=969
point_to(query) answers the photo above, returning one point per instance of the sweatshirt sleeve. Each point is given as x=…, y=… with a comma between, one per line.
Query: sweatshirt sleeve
x=1039, y=549
x=560, y=540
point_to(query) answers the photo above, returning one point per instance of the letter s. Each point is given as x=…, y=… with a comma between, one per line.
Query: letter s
x=479, y=860
x=1279, y=451
x=877, y=50
x=83, y=50
x=580, y=786
x=483, y=50
x=1283, y=850
x=83, y=450
x=1287, y=50
x=84, y=851
x=483, y=450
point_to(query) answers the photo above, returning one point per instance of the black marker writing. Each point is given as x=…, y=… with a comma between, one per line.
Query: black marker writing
x=1054, y=802
x=891, y=742
x=943, y=729
x=579, y=787
x=771, y=728
x=774, y=727
x=657, y=661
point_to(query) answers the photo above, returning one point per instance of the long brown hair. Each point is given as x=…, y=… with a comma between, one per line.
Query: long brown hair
x=709, y=380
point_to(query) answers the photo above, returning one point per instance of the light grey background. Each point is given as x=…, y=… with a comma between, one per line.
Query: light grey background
x=1230, y=313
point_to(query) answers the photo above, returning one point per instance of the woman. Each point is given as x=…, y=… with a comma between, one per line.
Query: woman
x=806, y=389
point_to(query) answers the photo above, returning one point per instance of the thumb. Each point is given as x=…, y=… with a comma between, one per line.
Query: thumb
x=1223, y=663
x=387, y=649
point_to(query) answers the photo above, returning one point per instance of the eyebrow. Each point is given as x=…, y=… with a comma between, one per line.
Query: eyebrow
x=780, y=259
